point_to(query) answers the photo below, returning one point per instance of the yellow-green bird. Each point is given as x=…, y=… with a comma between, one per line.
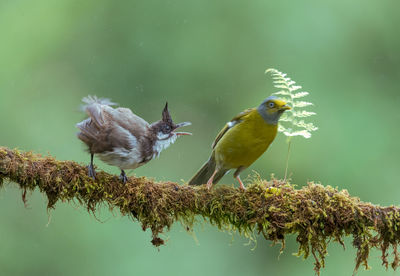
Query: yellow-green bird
x=241, y=142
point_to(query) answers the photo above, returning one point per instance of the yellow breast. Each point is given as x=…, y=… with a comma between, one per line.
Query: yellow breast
x=245, y=142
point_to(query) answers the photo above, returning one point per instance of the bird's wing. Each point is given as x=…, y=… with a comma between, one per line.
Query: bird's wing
x=108, y=128
x=129, y=121
x=236, y=120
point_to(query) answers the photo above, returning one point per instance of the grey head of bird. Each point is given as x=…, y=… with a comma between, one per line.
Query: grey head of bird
x=272, y=108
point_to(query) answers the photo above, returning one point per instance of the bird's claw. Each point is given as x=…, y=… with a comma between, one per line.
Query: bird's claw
x=123, y=177
x=91, y=172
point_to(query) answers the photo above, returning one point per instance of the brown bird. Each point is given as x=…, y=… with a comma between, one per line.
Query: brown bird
x=122, y=139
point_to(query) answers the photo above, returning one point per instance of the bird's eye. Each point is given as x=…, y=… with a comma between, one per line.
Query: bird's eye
x=167, y=128
x=271, y=105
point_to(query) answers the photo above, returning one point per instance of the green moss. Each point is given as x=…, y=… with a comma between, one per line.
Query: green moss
x=316, y=214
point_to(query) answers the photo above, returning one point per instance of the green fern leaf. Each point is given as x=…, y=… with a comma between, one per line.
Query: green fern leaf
x=290, y=125
x=300, y=95
x=301, y=104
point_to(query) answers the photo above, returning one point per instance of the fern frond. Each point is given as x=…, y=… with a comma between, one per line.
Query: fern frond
x=285, y=119
x=300, y=95
x=281, y=128
x=306, y=134
x=294, y=88
x=303, y=113
x=283, y=86
x=301, y=104
x=282, y=92
x=302, y=124
x=290, y=125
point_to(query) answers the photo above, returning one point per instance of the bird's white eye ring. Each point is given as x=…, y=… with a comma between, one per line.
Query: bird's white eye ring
x=271, y=104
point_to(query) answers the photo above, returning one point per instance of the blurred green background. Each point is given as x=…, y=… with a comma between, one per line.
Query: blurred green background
x=207, y=58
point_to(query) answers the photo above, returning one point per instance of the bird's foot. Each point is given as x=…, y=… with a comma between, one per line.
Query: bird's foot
x=209, y=184
x=123, y=177
x=91, y=171
x=211, y=180
x=242, y=187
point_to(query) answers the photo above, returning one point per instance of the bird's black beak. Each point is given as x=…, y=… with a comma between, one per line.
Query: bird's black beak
x=182, y=125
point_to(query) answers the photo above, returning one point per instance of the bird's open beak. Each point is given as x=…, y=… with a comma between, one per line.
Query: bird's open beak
x=285, y=107
x=182, y=125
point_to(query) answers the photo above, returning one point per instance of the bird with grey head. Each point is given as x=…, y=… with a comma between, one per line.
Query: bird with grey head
x=122, y=139
x=241, y=142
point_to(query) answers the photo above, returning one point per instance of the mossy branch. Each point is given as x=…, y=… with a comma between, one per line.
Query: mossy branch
x=316, y=214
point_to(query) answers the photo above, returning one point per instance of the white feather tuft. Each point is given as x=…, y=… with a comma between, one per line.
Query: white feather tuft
x=89, y=100
x=162, y=143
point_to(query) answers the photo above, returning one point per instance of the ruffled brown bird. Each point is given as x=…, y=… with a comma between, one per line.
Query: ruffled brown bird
x=122, y=139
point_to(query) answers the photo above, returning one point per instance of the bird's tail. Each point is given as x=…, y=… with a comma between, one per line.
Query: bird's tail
x=89, y=100
x=204, y=174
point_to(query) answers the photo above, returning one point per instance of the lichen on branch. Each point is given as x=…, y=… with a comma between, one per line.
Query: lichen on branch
x=314, y=213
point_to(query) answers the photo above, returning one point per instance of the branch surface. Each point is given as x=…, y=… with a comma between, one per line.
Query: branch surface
x=314, y=213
